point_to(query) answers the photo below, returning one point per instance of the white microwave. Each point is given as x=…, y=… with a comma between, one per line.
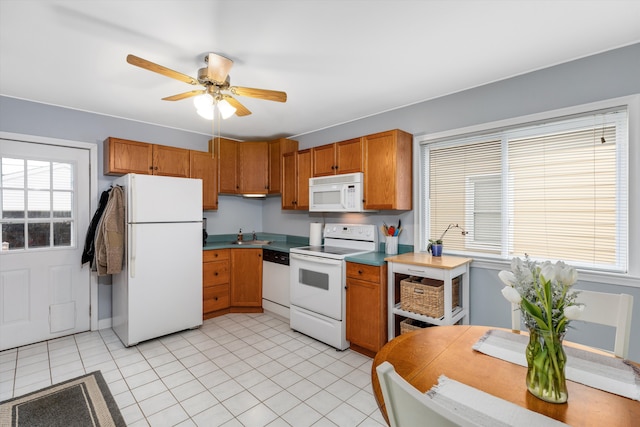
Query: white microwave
x=336, y=193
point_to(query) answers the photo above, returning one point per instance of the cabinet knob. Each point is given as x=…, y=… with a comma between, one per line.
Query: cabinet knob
x=359, y=271
x=215, y=298
x=215, y=274
x=345, y=288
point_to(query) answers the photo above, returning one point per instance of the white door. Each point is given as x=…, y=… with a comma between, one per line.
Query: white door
x=44, y=215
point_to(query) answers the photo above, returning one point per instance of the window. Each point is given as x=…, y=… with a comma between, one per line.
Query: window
x=554, y=190
x=36, y=203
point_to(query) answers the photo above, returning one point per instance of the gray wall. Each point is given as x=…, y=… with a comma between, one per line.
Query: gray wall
x=604, y=76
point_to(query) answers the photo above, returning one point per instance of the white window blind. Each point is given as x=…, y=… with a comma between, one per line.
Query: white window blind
x=555, y=190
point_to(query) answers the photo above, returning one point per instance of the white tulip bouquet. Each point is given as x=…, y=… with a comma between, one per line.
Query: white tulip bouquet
x=546, y=299
x=543, y=292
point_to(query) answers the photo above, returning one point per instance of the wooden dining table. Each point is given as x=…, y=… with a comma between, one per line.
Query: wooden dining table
x=421, y=356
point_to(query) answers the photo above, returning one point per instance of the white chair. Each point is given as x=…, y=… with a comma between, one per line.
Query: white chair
x=408, y=407
x=604, y=309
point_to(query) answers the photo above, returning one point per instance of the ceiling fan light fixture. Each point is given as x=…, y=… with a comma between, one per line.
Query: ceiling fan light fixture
x=226, y=110
x=203, y=101
x=206, y=112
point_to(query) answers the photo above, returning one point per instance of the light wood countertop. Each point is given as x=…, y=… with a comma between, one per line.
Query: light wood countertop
x=427, y=260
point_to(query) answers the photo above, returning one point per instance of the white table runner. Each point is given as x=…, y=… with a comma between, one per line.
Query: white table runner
x=594, y=370
x=483, y=409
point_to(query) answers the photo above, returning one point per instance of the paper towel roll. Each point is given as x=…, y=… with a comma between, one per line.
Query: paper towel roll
x=315, y=234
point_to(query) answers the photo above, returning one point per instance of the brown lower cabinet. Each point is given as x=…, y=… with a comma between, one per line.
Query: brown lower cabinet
x=246, y=279
x=231, y=281
x=215, y=282
x=366, y=307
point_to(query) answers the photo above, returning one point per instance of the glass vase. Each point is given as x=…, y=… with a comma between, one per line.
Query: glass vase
x=546, y=359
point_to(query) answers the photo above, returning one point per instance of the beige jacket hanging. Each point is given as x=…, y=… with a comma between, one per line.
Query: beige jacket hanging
x=110, y=235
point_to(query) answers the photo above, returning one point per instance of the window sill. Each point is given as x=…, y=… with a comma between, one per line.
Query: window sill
x=583, y=275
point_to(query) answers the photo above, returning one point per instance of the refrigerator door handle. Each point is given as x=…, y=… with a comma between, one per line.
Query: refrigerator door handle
x=132, y=207
x=132, y=252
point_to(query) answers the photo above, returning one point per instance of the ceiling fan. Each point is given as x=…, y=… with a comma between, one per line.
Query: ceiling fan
x=215, y=79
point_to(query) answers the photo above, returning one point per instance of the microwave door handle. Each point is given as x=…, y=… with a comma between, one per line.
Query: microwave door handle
x=344, y=197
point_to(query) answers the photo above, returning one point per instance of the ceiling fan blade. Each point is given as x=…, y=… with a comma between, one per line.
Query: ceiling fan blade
x=241, y=110
x=218, y=67
x=184, y=95
x=269, y=95
x=148, y=65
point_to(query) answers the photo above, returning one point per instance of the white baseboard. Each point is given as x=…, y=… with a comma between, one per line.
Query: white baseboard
x=104, y=323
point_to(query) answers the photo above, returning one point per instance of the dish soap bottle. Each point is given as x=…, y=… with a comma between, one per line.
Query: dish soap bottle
x=240, y=235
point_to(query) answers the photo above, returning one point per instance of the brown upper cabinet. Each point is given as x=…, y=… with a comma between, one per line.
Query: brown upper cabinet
x=296, y=171
x=337, y=158
x=388, y=170
x=253, y=162
x=227, y=153
x=122, y=156
x=251, y=167
x=277, y=148
x=385, y=158
x=204, y=165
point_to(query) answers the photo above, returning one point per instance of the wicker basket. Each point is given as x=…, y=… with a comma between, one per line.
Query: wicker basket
x=426, y=296
x=408, y=325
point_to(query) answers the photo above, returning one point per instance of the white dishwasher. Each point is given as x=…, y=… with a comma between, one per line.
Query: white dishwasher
x=275, y=282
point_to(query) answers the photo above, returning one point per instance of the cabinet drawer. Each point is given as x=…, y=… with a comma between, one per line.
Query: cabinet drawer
x=215, y=298
x=215, y=255
x=370, y=273
x=215, y=273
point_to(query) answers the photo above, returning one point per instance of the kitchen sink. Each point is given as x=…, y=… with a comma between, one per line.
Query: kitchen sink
x=251, y=242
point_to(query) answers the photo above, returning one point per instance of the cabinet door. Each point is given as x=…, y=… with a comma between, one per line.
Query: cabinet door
x=227, y=166
x=215, y=298
x=349, y=156
x=204, y=165
x=289, y=180
x=215, y=273
x=277, y=148
x=324, y=160
x=363, y=307
x=366, y=306
x=122, y=156
x=387, y=170
x=170, y=161
x=253, y=158
x=303, y=166
x=246, y=277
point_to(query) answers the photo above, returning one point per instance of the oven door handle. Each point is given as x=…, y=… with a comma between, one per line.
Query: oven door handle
x=315, y=259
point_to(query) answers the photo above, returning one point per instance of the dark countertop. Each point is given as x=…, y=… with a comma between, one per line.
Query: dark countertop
x=377, y=258
x=284, y=243
x=279, y=242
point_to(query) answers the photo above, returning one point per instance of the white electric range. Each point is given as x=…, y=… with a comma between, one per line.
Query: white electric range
x=318, y=277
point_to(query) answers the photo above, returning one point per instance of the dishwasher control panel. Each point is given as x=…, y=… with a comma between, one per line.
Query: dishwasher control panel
x=277, y=257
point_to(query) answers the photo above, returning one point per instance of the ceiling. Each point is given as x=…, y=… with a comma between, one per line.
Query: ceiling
x=338, y=60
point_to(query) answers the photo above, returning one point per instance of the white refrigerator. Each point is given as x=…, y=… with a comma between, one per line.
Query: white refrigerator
x=159, y=290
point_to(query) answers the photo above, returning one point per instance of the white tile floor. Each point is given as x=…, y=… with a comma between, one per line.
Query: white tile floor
x=236, y=370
